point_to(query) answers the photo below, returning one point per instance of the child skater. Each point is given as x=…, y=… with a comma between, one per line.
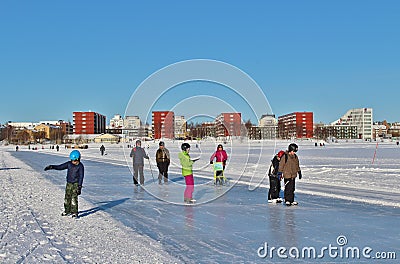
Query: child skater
x=289, y=168
x=75, y=174
x=187, y=172
x=275, y=179
x=220, y=156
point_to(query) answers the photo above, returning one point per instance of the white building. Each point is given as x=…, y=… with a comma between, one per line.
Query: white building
x=117, y=122
x=180, y=126
x=23, y=125
x=360, y=117
x=267, y=120
x=132, y=122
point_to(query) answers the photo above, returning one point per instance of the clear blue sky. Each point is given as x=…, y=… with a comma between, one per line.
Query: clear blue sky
x=57, y=57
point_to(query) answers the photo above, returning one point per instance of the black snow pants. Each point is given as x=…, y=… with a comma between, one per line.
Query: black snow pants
x=289, y=189
x=163, y=171
x=274, y=187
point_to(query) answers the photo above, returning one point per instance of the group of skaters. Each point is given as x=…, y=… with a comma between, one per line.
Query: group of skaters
x=284, y=165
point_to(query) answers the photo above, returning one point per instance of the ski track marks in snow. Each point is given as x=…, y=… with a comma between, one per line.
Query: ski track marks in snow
x=32, y=229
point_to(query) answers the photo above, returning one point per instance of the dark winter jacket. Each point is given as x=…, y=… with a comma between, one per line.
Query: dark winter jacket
x=138, y=155
x=162, y=155
x=75, y=173
x=289, y=166
x=274, y=168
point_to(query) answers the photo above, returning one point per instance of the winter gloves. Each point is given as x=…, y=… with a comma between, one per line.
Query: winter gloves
x=300, y=176
x=50, y=167
x=79, y=190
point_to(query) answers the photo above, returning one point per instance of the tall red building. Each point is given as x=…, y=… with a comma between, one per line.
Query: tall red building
x=228, y=124
x=163, y=124
x=297, y=125
x=89, y=123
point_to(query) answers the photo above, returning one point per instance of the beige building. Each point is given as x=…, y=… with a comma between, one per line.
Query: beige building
x=49, y=131
x=107, y=138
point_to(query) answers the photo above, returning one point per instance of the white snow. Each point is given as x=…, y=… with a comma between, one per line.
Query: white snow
x=32, y=229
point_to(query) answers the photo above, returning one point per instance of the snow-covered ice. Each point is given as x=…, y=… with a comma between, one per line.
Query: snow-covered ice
x=342, y=195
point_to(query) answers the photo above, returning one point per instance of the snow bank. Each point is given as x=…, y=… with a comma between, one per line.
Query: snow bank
x=32, y=229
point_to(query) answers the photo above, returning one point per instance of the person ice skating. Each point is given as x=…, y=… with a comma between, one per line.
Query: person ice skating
x=219, y=156
x=75, y=175
x=102, y=150
x=275, y=179
x=16, y=148
x=187, y=172
x=163, y=160
x=58, y=148
x=138, y=155
x=289, y=168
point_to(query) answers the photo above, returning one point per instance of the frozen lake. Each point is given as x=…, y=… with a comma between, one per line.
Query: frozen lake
x=342, y=197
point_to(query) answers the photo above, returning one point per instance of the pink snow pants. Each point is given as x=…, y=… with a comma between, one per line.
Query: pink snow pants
x=189, y=186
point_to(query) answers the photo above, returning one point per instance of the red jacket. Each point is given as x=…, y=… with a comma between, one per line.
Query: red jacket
x=220, y=156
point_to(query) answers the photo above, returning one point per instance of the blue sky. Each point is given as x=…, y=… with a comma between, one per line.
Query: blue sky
x=57, y=57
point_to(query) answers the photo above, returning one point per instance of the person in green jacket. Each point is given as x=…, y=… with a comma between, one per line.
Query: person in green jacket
x=187, y=172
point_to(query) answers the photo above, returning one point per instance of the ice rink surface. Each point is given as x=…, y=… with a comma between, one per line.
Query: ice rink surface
x=346, y=204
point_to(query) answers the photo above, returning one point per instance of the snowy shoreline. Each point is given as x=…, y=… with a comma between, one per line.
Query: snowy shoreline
x=32, y=229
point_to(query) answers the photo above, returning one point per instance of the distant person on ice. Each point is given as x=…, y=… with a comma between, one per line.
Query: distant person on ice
x=187, y=172
x=163, y=160
x=102, y=150
x=219, y=156
x=138, y=155
x=275, y=179
x=75, y=174
x=289, y=168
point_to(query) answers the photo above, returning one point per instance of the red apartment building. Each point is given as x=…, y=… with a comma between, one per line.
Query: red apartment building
x=89, y=123
x=228, y=124
x=297, y=125
x=163, y=124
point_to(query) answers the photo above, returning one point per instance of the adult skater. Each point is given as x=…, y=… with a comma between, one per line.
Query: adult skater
x=163, y=160
x=289, y=168
x=102, y=150
x=219, y=156
x=75, y=174
x=138, y=155
x=187, y=172
x=275, y=179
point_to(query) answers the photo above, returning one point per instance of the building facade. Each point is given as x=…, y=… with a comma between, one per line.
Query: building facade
x=89, y=123
x=228, y=125
x=379, y=131
x=296, y=125
x=180, y=127
x=360, y=117
x=163, y=124
x=331, y=132
x=116, y=122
